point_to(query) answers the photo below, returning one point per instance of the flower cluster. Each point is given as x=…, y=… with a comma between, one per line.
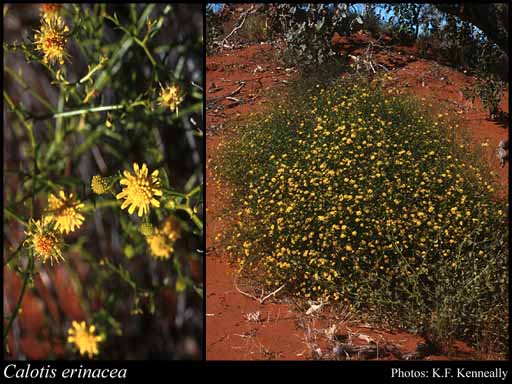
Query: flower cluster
x=161, y=240
x=171, y=97
x=44, y=241
x=101, y=185
x=140, y=190
x=51, y=39
x=86, y=214
x=354, y=194
x=65, y=212
x=84, y=338
x=44, y=236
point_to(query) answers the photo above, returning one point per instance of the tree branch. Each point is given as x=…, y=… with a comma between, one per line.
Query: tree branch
x=491, y=18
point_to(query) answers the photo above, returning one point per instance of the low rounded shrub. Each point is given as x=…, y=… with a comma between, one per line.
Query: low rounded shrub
x=357, y=194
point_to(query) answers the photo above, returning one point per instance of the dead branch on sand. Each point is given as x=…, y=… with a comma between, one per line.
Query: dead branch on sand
x=242, y=17
x=260, y=299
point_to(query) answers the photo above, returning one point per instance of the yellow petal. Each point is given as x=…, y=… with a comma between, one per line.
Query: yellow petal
x=155, y=173
x=155, y=203
x=141, y=211
x=131, y=209
x=136, y=167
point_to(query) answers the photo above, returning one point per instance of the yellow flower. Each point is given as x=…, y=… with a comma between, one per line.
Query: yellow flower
x=45, y=242
x=160, y=246
x=171, y=228
x=139, y=190
x=171, y=97
x=100, y=185
x=51, y=40
x=181, y=284
x=65, y=212
x=85, y=340
x=146, y=229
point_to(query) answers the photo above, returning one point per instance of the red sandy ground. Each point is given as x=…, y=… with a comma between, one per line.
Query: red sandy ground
x=229, y=335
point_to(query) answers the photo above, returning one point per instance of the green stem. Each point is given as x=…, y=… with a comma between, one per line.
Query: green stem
x=91, y=72
x=191, y=109
x=193, y=191
x=174, y=193
x=22, y=118
x=14, y=314
x=13, y=255
x=26, y=87
x=123, y=276
x=148, y=54
x=31, y=261
x=10, y=213
x=88, y=110
x=101, y=204
x=197, y=221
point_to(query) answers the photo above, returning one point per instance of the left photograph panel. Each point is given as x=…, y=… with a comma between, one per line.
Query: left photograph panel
x=103, y=181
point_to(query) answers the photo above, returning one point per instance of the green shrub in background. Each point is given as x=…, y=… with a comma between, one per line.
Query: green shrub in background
x=491, y=79
x=213, y=28
x=308, y=30
x=103, y=107
x=357, y=194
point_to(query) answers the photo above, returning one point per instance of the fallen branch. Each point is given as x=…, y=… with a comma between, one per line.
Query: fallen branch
x=235, y=282
x=261, y=299
x=244, y=15
x=272, y=293
x=229, y=94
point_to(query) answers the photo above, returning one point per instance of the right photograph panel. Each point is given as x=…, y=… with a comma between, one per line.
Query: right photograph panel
x=357, y=182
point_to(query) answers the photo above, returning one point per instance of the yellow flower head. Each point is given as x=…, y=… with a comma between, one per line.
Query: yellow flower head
x=51, y=40
x=100, y=185
x=50, y=10
x=146, y=229
x=171, y=228
x=45, y=242
x=171, y=97
x=140, y=189
x=65, y=212
x=85, y=340
x=181, y=284
x=161, y=247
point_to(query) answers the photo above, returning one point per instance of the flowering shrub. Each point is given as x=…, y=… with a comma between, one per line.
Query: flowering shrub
x=103, y=113
x=355, y=194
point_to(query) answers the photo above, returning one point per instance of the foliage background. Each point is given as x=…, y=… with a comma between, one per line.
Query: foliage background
x=108, y=253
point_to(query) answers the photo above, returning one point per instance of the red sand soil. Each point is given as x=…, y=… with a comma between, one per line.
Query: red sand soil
x=282, y=332
x=230, y=336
